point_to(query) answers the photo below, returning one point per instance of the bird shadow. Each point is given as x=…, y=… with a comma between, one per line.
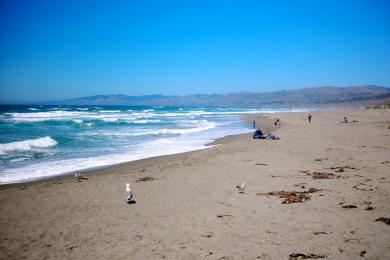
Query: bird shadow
x=131, y=202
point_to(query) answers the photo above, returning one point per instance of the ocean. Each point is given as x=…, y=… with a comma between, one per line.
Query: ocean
x=38, y=142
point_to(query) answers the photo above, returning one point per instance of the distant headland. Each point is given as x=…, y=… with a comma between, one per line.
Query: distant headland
x=304, y=97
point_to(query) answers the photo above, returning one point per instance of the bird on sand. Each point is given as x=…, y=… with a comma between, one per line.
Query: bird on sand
x=128, y=193
x=79, y=176
x=241, y=188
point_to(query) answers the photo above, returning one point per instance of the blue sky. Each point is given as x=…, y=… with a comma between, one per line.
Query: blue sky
x=64, y=49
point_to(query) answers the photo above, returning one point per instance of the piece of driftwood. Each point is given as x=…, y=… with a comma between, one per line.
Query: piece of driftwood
x=321, y=159
x=223, y=215
x=147, y=178
x=303, y=256
x=263, y=164
x=349, y=207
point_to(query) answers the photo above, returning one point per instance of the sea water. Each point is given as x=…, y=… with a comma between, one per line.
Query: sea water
x=44, y=141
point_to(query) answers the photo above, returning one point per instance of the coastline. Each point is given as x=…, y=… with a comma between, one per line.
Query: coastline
x=263, y=121
x=189, y=207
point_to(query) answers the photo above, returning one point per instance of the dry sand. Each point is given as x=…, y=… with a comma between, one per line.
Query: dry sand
x=192, y=209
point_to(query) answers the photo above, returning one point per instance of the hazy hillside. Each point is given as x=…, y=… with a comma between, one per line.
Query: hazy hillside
x=285, y=98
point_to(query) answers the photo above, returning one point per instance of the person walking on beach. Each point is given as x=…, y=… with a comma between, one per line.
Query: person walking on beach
x=309, y=117
x=254, y=125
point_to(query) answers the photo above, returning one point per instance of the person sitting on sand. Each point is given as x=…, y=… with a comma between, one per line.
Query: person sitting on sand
x=345, y=120
x=258, y=134
x=309, y=117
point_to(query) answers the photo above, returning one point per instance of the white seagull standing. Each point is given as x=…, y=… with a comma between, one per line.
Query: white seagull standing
x=79, y=176
x=128, y=193
x=241, y=188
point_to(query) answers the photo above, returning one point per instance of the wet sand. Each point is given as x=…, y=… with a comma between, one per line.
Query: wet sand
x=190, y=208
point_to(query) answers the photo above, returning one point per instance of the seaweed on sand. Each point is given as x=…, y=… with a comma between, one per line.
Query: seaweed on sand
x=291, y=196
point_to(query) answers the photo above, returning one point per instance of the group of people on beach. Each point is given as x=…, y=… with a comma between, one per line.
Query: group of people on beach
x=344, y=121
x=258, y=134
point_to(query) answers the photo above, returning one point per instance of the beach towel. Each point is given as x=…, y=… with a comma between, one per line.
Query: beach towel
x=271, y=137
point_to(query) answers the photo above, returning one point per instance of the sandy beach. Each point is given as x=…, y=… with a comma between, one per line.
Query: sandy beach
x=190, y=208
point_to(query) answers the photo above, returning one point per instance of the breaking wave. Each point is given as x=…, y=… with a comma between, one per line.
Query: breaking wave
x=28, y=144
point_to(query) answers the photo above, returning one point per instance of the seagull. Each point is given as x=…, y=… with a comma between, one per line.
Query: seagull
x=80, y=177
x=128, y=193
x=241, y=188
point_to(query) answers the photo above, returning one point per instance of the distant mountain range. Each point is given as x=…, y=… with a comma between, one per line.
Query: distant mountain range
x=305, y=97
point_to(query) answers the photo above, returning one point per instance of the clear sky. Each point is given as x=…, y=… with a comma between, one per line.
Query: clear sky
x=64, y=49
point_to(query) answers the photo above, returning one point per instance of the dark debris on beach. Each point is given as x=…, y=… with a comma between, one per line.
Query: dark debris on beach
x=384, y=220
x=349, y=207
x=322, y=175
x=342, y=168
x=303, y=256
x=147, y=178
x=290, y=196
x=326, y=175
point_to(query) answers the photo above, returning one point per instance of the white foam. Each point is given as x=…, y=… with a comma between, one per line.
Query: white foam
x=59, y=108
x=59, y=167
x=145, y=121
x=18, y=159
x=115, y=115
x=43, y=116
x=190, y=123
x=27, y=144
x=110, y=111
x=70, y=115
x=203, y=126
x=112, y=119
x=239, y=112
